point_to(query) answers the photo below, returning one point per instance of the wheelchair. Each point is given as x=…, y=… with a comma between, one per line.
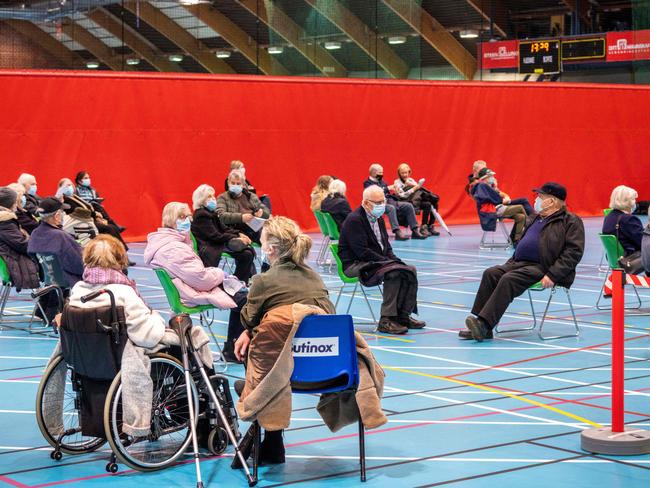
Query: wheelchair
x=79, y=399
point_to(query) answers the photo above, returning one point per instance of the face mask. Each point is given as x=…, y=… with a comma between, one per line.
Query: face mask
x=378, y=210
x=32, y=190
x=379, y=177
x=538, y=205
x=85, y=182
x=491, y=180
x=68, y=191
x=633, y=208
x=23, y=201
x=235, y=189
x=211, y=205
x=183, y=225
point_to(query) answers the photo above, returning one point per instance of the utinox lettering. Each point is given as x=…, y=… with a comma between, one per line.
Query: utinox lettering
x=315, y=346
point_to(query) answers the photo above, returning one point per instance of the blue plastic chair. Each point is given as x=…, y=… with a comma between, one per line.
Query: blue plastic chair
x=325, y=361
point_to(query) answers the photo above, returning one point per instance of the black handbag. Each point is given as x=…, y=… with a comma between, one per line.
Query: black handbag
x=633, y=263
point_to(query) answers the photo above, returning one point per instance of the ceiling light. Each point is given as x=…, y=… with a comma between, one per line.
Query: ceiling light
x=469, y=34
x=331, y=45
x=275, y=49
x=223, y=54
x=92, y=64
x=132, y=61
x=189, y=2
x=396, y=39
x=176, y=58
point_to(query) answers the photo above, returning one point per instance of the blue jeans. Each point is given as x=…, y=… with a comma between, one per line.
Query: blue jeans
x=524, y=203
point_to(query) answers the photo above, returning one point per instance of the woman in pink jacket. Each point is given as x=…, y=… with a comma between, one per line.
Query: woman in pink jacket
x=170, y=248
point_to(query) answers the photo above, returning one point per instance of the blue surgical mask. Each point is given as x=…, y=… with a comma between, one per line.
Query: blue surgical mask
x=32, y=190
x=491, y=180
x=23, y=201
x=378, y=210
x=183, y=225
x=633, y=208
x=68, y=191
x=85, y=182
x=235, y=189
x=538, y=205
x=211, y=205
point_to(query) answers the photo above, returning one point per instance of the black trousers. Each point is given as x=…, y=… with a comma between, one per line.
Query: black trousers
x=400, y=294
x=244, y=263
x=235, y=328
x=500, y=285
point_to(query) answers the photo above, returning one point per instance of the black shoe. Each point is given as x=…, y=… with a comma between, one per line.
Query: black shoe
x=390, y=326
x=477, y=327
x=272, y=448
x=433, y=231
x=411, y=323
x=239, y=386
x=245, y=447
x=424, y=230
x=228, y=352
x=400, y=235
x=132, y=263
x=466, y=334
x=415, y=234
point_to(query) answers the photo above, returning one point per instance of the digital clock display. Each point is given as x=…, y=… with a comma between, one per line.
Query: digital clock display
x=581, y=49
x=542, y=57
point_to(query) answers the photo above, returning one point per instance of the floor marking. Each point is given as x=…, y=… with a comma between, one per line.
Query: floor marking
x=501, y=392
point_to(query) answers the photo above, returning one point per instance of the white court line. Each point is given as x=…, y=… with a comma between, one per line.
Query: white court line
x=507, y=370
x=460, y=368
x=24, y=357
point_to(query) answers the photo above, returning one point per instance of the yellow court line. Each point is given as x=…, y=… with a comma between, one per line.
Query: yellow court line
x=499, y=392
x=386, y=337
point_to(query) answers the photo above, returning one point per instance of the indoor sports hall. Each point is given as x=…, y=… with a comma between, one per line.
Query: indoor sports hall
x=324, y=243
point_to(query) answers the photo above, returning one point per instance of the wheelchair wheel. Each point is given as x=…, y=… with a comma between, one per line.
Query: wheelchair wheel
x=48, y=400
x=170, y=432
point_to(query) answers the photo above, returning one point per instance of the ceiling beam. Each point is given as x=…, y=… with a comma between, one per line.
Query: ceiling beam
x=362, y=35
x=237, y=38
x=69, y=58
x=493, y=11
x=436, y=35
x=131, y=38
x=192, y=46
x=284, y=26
x=96, y=47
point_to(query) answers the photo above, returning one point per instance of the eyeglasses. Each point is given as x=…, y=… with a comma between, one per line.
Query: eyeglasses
x=381, y=202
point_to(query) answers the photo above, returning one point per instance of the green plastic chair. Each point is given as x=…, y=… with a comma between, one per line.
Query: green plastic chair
x=613, y=252
x=601, y=268
x=6, y=286
x=538, y=287
x=332, y=228
x=324, y=246
x=349, y=280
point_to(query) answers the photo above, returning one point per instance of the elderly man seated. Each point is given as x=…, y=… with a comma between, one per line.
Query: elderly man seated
x=365, y=252
x=32, y=199
x=394, y=206
x=237, y=207
x=549, y=251
x=49, y=238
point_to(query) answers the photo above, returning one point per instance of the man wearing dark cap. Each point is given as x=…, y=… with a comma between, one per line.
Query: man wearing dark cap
x=549, y=252
x=49, y=238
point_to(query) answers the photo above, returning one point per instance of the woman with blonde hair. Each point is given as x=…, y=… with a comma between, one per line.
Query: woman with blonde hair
x=409, y=190
x=621, y=223
x=320, y=191
x=289, y=280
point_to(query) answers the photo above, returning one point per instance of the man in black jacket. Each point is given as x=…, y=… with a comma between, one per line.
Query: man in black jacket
x=365, y=252
x=549, y=251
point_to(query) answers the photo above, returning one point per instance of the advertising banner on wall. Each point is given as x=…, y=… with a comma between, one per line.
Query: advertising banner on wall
x=501, y=54
x=628, y=45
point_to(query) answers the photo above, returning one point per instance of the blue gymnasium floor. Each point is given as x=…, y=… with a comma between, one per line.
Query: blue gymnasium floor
x=440, y=432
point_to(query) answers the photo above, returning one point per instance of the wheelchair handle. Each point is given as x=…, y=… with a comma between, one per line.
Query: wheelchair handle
x=92, y=296
x=115, y=324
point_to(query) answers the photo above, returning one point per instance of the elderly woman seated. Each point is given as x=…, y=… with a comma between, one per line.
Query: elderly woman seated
x=170, y=248
x=409, y=190
x=213, y=238
x=78, y=221
x=238, y=207
x=621, y=223
x=335, y=202
x=320, y=192
x=90, y=195
x=27, y=220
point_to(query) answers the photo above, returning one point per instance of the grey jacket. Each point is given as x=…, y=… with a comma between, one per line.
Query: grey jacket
x=228, y=208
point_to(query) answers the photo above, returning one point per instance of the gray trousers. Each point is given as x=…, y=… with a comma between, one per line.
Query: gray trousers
x=405, y=210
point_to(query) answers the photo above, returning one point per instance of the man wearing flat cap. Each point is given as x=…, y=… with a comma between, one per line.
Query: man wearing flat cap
x=549, y=252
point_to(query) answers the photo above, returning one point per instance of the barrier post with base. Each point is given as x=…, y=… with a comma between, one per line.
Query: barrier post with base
x=617, y=440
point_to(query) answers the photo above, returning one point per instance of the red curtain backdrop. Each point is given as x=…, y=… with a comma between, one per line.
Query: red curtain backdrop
x=151, y=139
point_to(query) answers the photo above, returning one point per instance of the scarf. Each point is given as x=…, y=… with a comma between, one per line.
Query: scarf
x=106, y=276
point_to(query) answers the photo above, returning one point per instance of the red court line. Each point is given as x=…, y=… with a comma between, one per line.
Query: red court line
x=11, y=482
x=24, y=377
x=536, y=358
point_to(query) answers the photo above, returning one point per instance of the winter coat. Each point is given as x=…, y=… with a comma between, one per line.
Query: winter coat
x=47, y=239
x=645, y=249
x=23, y=270
x=228, y=208
x=487, y=198
x=561, y=246
x=172, y=251
x=267, y=392
x=383, y=185
x=629, y=232
x=211, y=235
x=82, y=229
x=32, y=203
x=26, y=220
x=338, y=207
